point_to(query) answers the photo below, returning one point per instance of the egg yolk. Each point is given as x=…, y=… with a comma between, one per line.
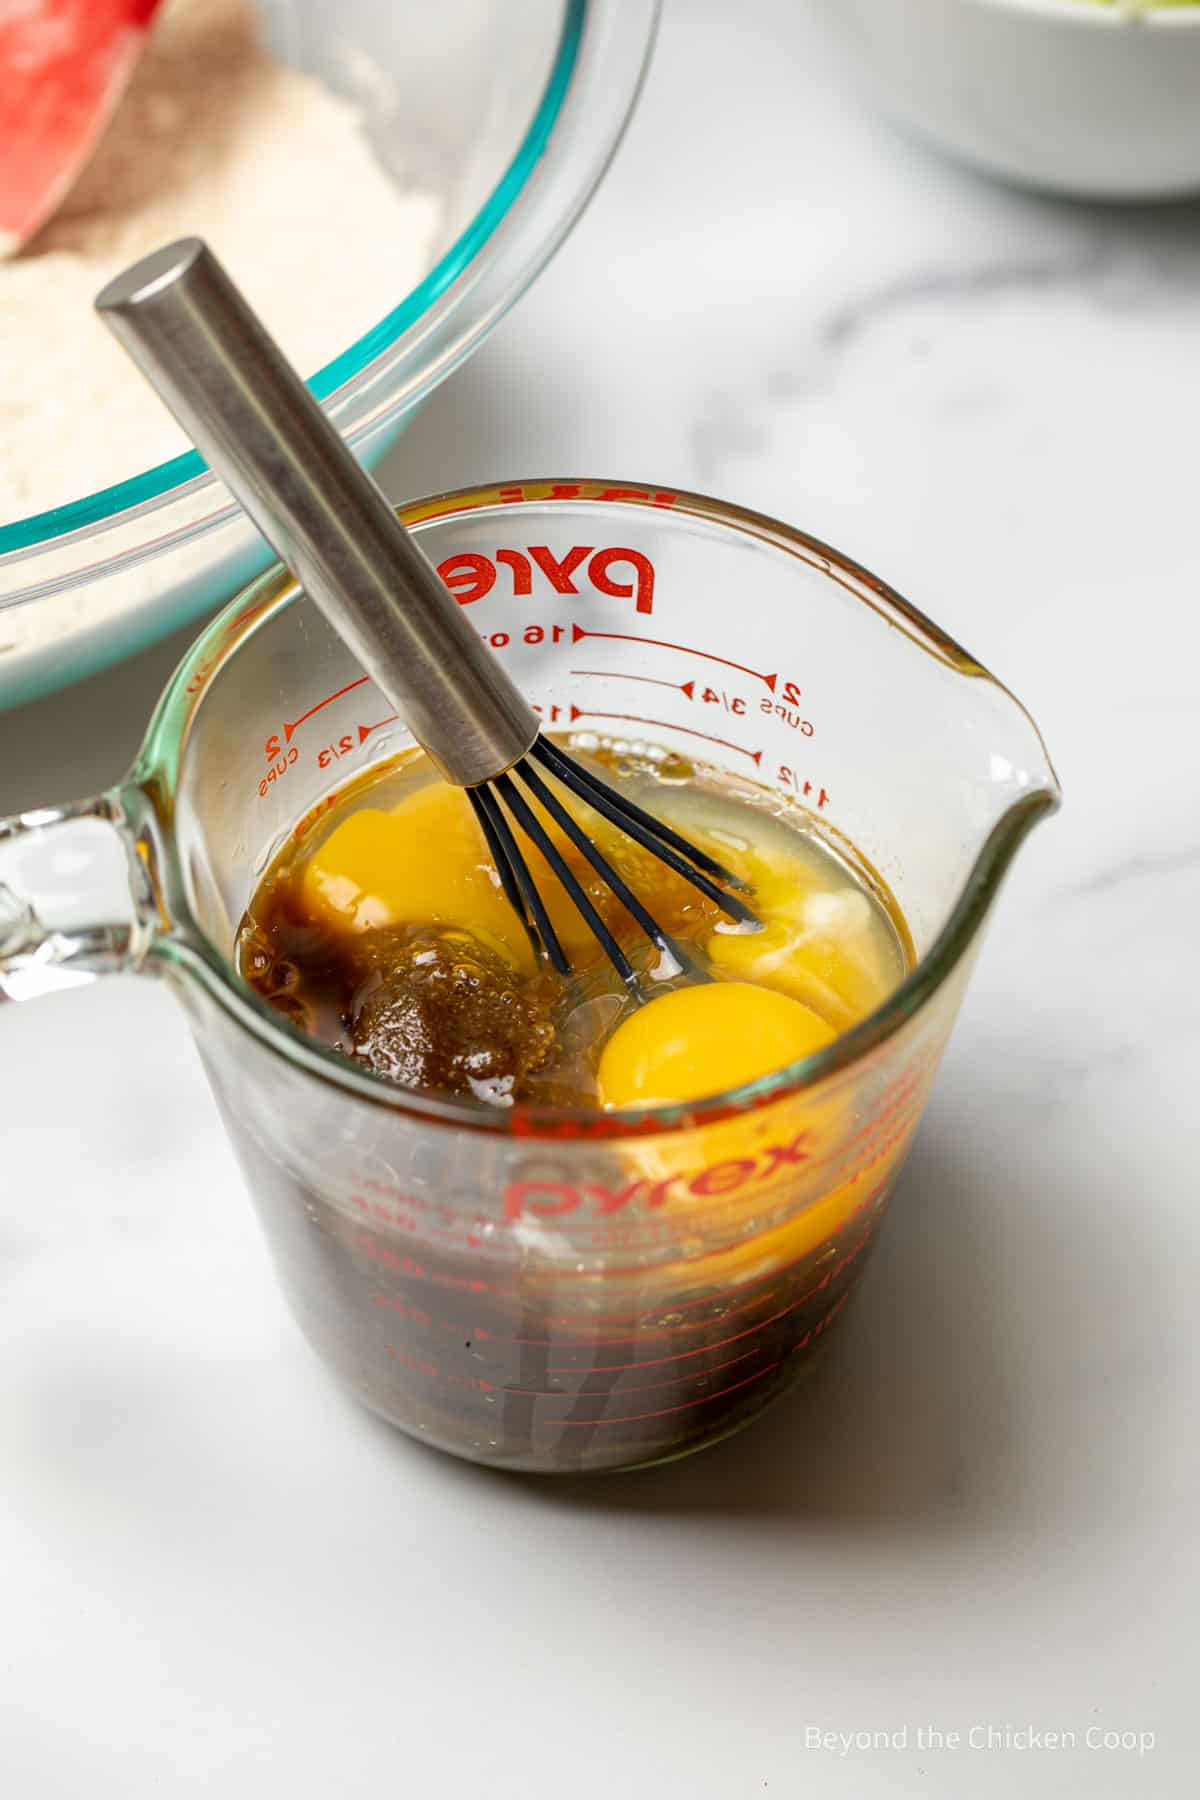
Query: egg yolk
x=702, y=1040
x=426, y=861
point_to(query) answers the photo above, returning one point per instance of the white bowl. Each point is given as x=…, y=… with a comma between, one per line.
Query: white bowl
x=1083, y=98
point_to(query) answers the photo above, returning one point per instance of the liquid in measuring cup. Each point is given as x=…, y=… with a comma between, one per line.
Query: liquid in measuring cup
x=383, y=931
x=615, y=1321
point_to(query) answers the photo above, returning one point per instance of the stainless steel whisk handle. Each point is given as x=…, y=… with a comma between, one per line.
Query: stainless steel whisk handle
x=210, y=358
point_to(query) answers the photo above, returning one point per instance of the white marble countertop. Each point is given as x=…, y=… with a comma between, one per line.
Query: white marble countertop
x=221, y=1578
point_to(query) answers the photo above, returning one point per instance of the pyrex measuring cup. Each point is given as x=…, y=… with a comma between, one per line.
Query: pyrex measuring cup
x=548, y=1290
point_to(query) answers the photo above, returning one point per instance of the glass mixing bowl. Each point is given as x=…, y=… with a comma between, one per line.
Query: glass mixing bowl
x=514, y=113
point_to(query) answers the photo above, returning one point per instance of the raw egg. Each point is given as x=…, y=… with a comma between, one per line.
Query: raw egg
x=425, y=861
x=702, y=1040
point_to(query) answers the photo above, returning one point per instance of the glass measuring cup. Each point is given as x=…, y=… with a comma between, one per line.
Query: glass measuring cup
x=546, y=1290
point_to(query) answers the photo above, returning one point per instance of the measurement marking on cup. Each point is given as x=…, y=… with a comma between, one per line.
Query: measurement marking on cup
x=479, y=1334
x=832, y=1273
x=579, y=712
x=420, y=1318
x=404, y=1264
x=650, y=1334
x=787, y=777
x=349, y=742
x=289, y=728
x=364, y=731
x=663, y=1411
x=432, y=1370
x=710, y=696
x=397, y=1207
x=813, y=1332
x=687, y=688
x=578, y=632
x=654, y=1362
x=639, y=1387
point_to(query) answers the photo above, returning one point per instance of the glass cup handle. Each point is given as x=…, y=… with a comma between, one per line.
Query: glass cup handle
x=77, y=898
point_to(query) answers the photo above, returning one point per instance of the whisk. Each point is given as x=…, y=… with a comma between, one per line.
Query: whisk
x=208, y=355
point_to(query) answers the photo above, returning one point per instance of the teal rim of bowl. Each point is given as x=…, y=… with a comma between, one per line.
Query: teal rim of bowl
x=107, y=503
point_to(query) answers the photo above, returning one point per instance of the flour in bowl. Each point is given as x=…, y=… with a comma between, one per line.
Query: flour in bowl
x=217, y=139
